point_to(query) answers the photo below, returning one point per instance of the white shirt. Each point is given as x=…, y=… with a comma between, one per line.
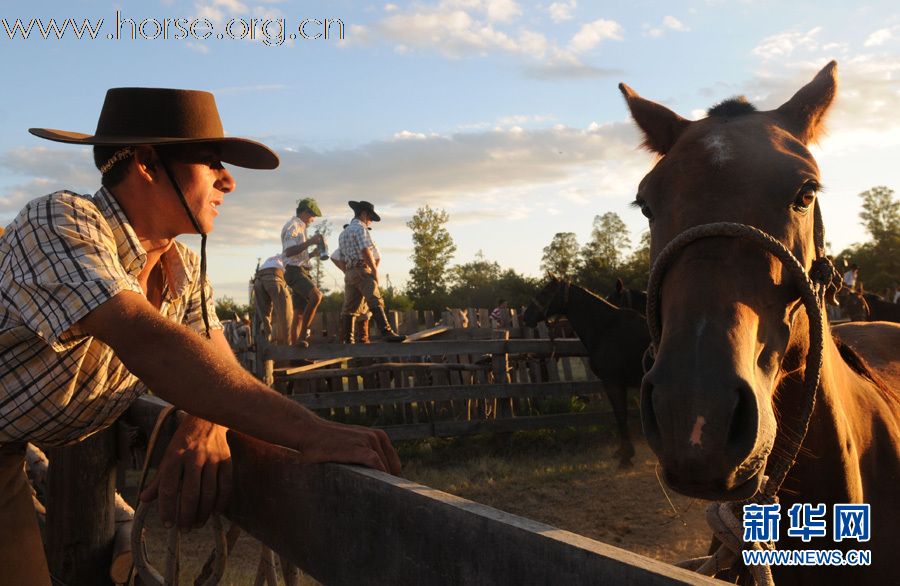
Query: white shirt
x=850, y=278
x=294, y=234
x=273, y=262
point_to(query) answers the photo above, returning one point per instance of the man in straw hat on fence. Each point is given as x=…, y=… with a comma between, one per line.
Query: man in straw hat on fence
x=100, y=302
x=361, y=274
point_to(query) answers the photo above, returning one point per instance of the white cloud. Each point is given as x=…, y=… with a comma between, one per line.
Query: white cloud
x=784, y=44
x=560, y=11
x=502, y=10
x=459, y=29
x=674, y=24
x=592, y=34
x=879, y=37
x=390, y=7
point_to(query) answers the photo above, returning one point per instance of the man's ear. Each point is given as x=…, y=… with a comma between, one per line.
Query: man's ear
x=145, y=161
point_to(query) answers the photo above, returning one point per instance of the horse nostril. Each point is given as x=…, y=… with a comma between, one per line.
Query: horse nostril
x=742, y=432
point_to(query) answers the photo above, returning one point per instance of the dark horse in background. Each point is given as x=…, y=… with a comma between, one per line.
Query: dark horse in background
x=859, y=306
x=881, y=309
x=615, y=339
x=621, y=296
x=727, y=379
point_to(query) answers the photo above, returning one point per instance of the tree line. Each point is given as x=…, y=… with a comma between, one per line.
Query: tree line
x=878, y=258
x=435, y=283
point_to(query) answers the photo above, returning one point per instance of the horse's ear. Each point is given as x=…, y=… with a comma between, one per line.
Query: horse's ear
x=661, y=126
x=619, y=285
x=804, y=113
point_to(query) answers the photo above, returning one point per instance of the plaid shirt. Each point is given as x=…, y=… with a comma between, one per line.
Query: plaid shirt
x=62, y=257
x=352, y=241
x=294, y=234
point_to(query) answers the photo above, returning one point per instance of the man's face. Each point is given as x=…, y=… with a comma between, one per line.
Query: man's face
x=203, y=180
x=307, y=217
x=365, y=218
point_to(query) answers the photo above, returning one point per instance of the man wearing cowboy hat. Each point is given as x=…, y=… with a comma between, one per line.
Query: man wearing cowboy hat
x=100, y=302
x=361, y=275
x=304, y=292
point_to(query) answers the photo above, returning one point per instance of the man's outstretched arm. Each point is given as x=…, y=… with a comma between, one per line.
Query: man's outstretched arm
x=181, y=367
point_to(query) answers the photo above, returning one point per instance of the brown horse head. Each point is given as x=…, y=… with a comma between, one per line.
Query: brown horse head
x=731, y=314
x=547, y=303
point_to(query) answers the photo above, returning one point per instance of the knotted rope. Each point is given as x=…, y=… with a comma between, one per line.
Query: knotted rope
x=150, y=575
x=822, y=282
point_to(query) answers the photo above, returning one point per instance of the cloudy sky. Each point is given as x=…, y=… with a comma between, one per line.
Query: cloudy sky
x=503, y=112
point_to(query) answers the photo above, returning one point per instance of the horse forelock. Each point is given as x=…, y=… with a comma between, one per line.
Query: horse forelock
x=731, y=108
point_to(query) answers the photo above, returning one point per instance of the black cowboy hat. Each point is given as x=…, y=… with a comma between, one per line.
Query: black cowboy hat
x=134, y=116
x=364, y=206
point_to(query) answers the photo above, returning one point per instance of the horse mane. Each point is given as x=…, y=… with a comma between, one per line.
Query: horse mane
x=731, y=108
x=859, y=365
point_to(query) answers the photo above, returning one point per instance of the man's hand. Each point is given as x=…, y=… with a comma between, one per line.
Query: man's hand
x=198, y=462
x=349, y=444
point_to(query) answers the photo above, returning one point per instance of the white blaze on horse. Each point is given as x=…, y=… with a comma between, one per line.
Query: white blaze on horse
x=732, y=204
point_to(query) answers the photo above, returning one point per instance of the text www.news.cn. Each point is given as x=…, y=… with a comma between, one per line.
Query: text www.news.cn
x=270, y=31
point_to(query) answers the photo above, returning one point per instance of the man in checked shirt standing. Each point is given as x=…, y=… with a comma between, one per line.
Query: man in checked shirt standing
x=99, y=302
x=361, y=275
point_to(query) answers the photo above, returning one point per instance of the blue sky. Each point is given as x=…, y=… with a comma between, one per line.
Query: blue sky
x=503, y=112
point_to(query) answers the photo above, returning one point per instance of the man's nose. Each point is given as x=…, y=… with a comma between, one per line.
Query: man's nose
x=225, y=182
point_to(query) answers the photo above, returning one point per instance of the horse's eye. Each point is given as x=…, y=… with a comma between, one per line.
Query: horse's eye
x=806, y=196
x=645, y=208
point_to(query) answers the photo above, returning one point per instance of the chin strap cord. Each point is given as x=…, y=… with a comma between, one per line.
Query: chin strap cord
x=203, y=300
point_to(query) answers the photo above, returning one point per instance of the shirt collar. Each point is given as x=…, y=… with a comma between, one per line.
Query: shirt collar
x=133, y=256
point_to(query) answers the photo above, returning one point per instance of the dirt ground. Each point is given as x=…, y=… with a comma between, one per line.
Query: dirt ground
x=587, y=494
x=572, y=484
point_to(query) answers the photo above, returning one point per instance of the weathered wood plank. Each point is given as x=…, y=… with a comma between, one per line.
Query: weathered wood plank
x=288, y=371
x=408, y=394
x=566, y=346
x=355, y=526
x=80, y=510
x=432, y=331
x=386, y=530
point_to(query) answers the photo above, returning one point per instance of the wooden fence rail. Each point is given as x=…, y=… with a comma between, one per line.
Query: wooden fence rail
x=348, y=525
x=425, y=388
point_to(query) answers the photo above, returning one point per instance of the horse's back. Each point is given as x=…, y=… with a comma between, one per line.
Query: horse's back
x=878, y=343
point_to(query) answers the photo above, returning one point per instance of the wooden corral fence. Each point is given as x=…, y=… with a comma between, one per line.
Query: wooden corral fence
x=348, y=525
x=445, y=380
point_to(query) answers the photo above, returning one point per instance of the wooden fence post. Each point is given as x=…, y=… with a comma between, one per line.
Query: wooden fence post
x=503, y=406
x=80, y=510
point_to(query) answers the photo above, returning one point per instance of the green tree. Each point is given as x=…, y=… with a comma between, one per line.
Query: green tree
x=228, y=308
x=881, y=213
x=433, y=249
x=636, y=269
x=879, y=258
x=608, y=243
x=561, y=255
x=603, y=256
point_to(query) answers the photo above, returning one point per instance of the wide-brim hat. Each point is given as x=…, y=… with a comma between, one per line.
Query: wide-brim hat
x=359, y=206
x=136, y=116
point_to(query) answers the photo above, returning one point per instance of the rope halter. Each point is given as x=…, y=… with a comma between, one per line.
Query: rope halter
x=814, y=288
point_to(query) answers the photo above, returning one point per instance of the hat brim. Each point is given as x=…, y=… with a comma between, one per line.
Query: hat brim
x=356, y=207
x=241, y=152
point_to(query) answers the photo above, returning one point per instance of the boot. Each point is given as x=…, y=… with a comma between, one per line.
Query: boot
x=362, y=331
x=347, y=324
x=387, y=334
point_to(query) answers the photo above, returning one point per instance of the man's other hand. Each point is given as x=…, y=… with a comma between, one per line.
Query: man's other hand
x=349, y=444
